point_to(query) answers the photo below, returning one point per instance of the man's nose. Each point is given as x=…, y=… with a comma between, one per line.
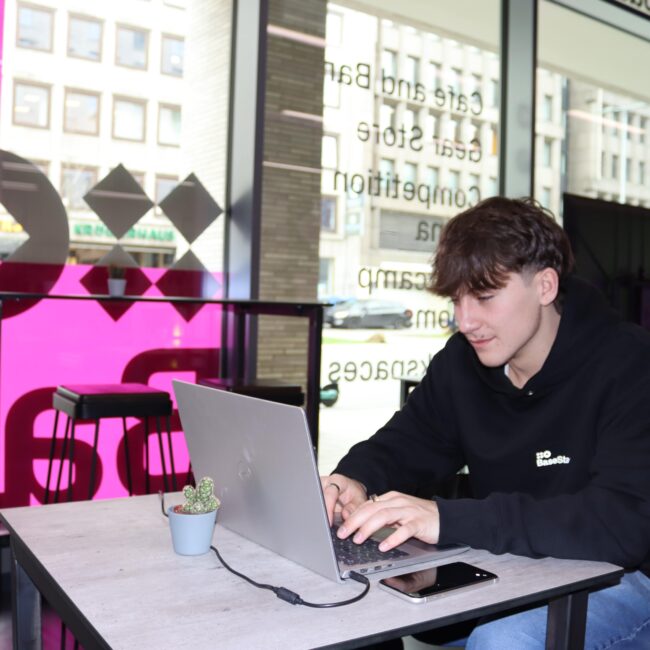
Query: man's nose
x=465, y=317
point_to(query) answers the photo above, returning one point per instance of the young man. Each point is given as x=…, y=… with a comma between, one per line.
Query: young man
x=545, y=395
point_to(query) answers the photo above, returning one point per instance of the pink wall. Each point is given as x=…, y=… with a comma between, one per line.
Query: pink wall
x=78, y=342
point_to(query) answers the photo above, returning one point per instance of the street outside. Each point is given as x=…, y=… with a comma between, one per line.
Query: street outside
x=367, y=364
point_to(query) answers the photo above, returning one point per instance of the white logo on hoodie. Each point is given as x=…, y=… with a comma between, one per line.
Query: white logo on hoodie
x=543, y=458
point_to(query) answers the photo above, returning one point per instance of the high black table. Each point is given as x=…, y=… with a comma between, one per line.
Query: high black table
x=238, y=313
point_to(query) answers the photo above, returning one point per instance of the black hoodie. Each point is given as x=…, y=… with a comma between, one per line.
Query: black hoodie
x=560, y=467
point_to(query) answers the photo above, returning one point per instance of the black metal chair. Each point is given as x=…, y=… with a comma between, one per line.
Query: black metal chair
x=97, y=401
x=273, y=390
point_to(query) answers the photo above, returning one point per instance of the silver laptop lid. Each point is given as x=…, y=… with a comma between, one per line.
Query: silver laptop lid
x=260, y=456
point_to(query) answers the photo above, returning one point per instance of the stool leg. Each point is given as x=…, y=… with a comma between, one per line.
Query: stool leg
x=171, y=452
x=51, y=458
x=162, y=454
x=146, y=455
x=64, y=449
x=71, y=460
x=93, y=464
x=129, y=484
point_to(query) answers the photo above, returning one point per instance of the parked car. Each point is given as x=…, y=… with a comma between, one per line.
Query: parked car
x=356, y=313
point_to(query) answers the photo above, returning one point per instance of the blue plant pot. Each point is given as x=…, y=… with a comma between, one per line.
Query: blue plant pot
x=191, y=534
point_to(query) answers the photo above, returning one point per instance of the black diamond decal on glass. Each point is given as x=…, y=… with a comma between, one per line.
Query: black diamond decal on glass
x=119, y=201
x=190, y=208
x=188, y=278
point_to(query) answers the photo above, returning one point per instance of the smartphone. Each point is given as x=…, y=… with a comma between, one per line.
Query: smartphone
x=427, y=585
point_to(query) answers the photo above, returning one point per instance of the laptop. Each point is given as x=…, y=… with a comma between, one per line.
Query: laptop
x=260, y=455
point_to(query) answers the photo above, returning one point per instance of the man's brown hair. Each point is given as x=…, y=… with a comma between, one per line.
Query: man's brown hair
x=479, y=247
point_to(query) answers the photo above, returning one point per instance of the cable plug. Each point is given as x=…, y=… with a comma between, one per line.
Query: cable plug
x=290, y=596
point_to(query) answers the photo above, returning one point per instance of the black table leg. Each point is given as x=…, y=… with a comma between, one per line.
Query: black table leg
x=566, y=622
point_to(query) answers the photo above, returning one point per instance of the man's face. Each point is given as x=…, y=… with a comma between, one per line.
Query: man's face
x=504, y=325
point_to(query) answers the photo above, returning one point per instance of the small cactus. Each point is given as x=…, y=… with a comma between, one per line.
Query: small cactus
x=200, y=499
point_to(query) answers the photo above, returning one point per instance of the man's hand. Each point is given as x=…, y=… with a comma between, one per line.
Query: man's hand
x=410, y=516
x=342, y=495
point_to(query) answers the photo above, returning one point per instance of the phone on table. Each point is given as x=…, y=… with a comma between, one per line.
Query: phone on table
x=429, y=584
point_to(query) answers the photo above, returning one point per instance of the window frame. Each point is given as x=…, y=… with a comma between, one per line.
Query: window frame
x=94, y=169
x=132, y=100
x=90, y=19
x=36, y=84
x=171, y=37
x=35, y=7
x=161, y=106
x=67, y=90
x=133, y=28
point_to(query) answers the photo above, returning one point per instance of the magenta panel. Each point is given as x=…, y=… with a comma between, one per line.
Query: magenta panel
x=51, y=342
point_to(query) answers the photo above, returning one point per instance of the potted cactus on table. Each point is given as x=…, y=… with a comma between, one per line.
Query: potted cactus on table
x=192, y=522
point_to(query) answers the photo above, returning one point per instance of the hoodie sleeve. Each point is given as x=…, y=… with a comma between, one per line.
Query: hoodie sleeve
x=607, y=520
x=417, y=445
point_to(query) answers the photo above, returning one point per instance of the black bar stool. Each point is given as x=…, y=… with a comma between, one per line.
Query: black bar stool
x=273, y=390
x=96, y=401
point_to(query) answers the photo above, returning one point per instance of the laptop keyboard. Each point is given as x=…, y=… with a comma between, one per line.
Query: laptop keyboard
x=350, y=553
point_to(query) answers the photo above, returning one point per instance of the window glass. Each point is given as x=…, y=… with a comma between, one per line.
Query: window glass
x=410, y=103
x=81, y=114
x=169, y=125
x=85, y=38
x=131, y=47
x=129, y=119
x=35, y=27
x=75, y=183
x=164, y=185
x=31, y=105
x=328, y=213
x=597, y=138
x=173, y=55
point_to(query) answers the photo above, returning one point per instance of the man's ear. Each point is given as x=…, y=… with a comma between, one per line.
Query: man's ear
x=548, y=285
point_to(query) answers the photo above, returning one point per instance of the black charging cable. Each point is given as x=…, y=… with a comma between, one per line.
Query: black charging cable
x=282, y=592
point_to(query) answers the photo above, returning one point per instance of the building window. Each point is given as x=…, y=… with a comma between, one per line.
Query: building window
x=35, y=25
x=641, y=173
x=386, y=116
x=328, y=213
x=603, y=165
x=165, y=183
x=475, y=181
x=331, y=92
x=173, y=55
x=433, y=174
x=410, y=120
x=431, y=125
x=139, y=177
x=454, y=180
x=628, y=170
x=546, y=197
x=325, y=272
x=453, y=130
x=129, y=119
x=169, y=125
x=412, y=72
x=547, y=108
x=494, y=93
x=410, y=173
x=387, y=167
x=547, y=153
x=453, y=79
x=434, y=75
x=329, y=152
x=492, y=187
x=85, y=38
x=389, y=63
x=76, y=182
x=334, y=28
x=32, y=104
x=131, y=47
x=81, y=112
x=614, y=166
x=643, y=126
